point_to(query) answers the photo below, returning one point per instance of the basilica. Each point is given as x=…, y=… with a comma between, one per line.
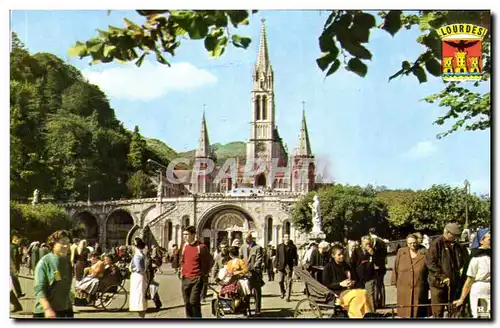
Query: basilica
x=295, y=173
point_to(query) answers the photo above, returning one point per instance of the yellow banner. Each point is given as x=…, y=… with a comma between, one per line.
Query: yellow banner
x=456, y=29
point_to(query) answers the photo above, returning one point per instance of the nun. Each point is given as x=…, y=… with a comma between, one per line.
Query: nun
x=138, y=280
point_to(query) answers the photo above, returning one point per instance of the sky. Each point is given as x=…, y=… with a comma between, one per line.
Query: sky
x=362, y=130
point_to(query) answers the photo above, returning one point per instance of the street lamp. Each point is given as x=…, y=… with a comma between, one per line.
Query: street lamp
x=151, y=161
x=88, y=195
x=467, y=191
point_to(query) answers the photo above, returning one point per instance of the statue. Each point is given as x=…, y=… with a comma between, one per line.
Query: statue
x=36, y=196
x=316, y=215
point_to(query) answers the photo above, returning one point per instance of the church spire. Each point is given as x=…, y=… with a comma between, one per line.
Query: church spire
x=304, y=148
x=263, y=58
x=203, y=149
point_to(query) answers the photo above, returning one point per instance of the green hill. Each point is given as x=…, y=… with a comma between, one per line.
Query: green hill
x=161, y=149
x=223, y=152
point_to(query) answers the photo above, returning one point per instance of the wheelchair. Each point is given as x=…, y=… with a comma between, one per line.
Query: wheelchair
x=110, y=297
x=234, y=304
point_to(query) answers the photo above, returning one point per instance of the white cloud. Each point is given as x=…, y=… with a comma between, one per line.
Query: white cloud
x=421, y=150
x=149, y=81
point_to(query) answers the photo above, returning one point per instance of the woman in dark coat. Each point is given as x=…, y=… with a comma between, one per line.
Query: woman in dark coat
x=410, y=277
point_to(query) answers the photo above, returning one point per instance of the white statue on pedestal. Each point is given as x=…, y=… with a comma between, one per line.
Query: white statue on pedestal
x=316, y=215
x=36, y=196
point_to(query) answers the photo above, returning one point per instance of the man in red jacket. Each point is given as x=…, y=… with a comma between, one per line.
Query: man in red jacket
x=196, y=262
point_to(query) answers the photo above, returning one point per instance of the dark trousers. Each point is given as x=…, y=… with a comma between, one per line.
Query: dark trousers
x=17, y=285
x=59, y=314
x=370, y=287
x=204, y=288
x=281, y=280
x=191, y=292
x=270, y=274
x=379, y=298
x=440, y=295
x=258, y=295
x=14, y=301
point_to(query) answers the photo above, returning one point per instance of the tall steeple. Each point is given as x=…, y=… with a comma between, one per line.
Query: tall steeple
x=304, y=148
x=263, y=62
x=203, y=149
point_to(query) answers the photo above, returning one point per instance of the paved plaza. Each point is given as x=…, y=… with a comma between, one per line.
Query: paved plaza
x=173, y=307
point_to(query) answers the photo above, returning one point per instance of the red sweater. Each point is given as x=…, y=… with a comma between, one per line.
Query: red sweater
x=195, y=263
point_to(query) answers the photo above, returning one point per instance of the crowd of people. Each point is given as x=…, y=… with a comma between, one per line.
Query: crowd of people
x=427, y=274
x=58, y=262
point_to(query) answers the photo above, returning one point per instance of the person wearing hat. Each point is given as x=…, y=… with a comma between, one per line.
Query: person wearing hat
x=478, y=282
x=445, y=260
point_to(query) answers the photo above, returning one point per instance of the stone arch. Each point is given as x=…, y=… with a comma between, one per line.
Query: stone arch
x=132, y=233
x=269, y=229
x=168, y=233
x=185, y=221
x=119, y=224
x=287, y=228
x=87, y=226
x=260, y=180
x=211, y=219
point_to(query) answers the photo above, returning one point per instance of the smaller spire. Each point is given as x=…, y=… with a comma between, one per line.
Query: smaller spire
x=203, y=149
x=304, y=148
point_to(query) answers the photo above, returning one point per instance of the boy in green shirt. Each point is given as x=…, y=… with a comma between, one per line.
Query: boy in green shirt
x=53, y=278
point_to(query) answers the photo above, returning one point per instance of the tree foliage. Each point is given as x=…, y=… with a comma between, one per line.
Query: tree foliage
x=37, y=223
x=349, y=211
x=344, y=39
x=64, y=135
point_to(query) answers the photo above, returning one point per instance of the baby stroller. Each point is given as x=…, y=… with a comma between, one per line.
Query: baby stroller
x=233, y=297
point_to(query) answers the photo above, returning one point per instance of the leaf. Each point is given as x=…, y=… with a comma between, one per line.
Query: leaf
x=335, y=66
x=210, y=42
x=107, y=49
x=433, y=66
x=77, y=49
x=357, y=66
x=406, y=65
x=329, y=19
x=357, y=50
x=161, y=59
x=198, y=29
x=420, y=74
x=364, y=20
x=131, y=25
x=241, y=42
x=237, y=16
x=138, y=63
x=392, y=22
x=326, y=42
x=325, y=60
x=219, y=47
x=360, y=34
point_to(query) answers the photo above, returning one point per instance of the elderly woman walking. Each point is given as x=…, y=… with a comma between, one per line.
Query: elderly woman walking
x=138, y=280
x=410, y=277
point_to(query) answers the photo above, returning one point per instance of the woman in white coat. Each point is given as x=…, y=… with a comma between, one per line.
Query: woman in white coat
x=138, y=280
